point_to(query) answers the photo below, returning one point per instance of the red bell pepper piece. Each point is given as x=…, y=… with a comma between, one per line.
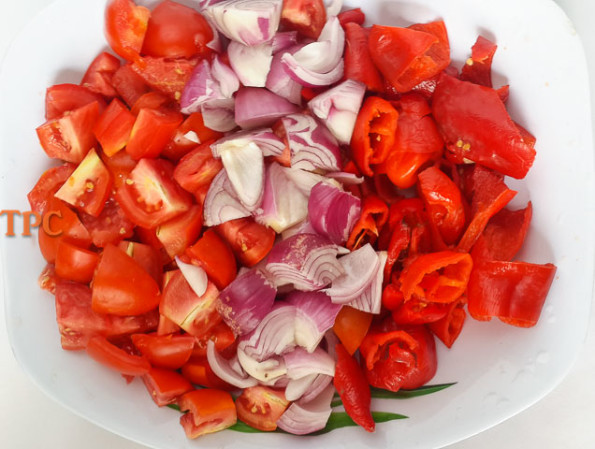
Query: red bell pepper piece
x=476, y=127
x=373, y=216
x=408, y=56
x=358, y=62
x=448, y=328
x=503, y=236
x=512, y=291
x=418, y=311
x=478, y=68
x=396, y=358
x=444, y=204
x=440, y=277
x=489, y=194
x=417, y=142
x=355, y=15
x=374, y=133
x=353, y=389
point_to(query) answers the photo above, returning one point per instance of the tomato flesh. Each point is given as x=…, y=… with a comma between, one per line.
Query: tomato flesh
x=261, y=407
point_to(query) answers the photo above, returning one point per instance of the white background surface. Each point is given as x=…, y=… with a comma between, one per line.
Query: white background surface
x=564, y=419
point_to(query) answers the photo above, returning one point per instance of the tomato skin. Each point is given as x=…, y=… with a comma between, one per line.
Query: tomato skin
x=110, y=226
x=71, y=136
x=99, y=74
x=125, y=27
x=250, y=241
x=223, y=337
x=113, y=127
x=209, y=411
x=146, y=256
x=61, y=98
x=74, y=263
x=165, y=351
x=152, y=130
x=214, y=255
x=129, y=84
x=121, y=286
x=261, y=407
x=351, y=326
x=181, y=145
x=178, y=233
x=197, y=168
x=161, y=199
x=175, y=31
x=305, y=16
x=199, y=372
x=101, y=350
x=166, y=75
x=165, y=386
x=47, y=184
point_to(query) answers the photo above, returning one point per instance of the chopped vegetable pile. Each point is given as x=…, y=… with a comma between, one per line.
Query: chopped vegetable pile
x=264, y=204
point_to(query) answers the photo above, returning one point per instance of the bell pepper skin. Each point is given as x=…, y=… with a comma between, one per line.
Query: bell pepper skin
x=512, y=291
x=353, y=389
x=449, y=327
x=358, y=62
x=373, y=216
x=373, y=134
x=476, y=127
x=478, y=68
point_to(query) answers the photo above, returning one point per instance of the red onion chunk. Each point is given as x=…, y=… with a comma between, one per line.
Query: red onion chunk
x=281, y=83
x=265, y=138
x=303, y=227
x=296, y=388
x=333, y=212
x=371, y=299
x=266, y=372
x=308, y=261
x=257, y=107
x=283, y=203
x=315, y=315
x=251, y=63
x=249, y=22
x=284, y=40
x=333, y=7
x=246, y=301
x=316, y=387
x=221, y=202
x=319, y=63
x=228, y=370
x=311, y=144
x=219, y=115
x=302, y=418
x=245, y=169
x=338, y=108
x=301, y=363
x=346, y=178
x=360, y=268
x=274, y=335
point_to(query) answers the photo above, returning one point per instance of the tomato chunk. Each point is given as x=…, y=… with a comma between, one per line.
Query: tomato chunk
x=214, y=255
x=108, y=354
x=261, y=407
x=209, y=411
x=113, y=127
x=125, y=27
x=165, y=386
x=165, y=351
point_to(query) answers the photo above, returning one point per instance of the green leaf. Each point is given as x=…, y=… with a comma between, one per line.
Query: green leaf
x=338, y=420
x=408, y=394
x=241, y=426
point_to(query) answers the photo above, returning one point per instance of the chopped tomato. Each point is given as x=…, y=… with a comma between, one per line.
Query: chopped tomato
x=197, y=315
x=351, y=326
x=74, y=263
x=98, y=77
x=108, y=354
x=165, y=351
x=199, y=372
x=178, y=233
x=152, y=131
x=153, y=100
x=177, y=31
x=71, y=136
x=197, y=168
x=191, y=133
x=146, y=256
x=250, y=241
x=305, y=16
x=49, y=182
x=88, y=186
x=209, y=411
x=121, y=286
x=120, y=165
x=150, y=196
x=167, y=75
x=125, y=27
x=261, y=407
x=165, y=386
x=62, y=98
x=214, y=255
x=222, y=336
x=129, y=84
x=113, y=127
x=110, y=226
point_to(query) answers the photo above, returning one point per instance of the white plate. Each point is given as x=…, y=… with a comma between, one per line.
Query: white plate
x=500, y=370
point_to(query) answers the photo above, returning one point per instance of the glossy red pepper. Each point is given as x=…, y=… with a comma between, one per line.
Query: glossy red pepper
x=476, y=127
x=353, y=389
x=512, y=291
x=418, y=311
x=373, y=216
x=358, y=62
x=439, y=277
x=374, y=133
x=478, y=68
x=449, y=327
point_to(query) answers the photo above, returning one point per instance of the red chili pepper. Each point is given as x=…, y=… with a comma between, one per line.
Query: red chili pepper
x=374, y=133
x=436, y=277
x=489, y=194
x=373, y=216
x=476, y=127
x=478, y=68
x=448, y=328
x=358, y=62
x=353, y=389
x=512, y=291
x=504, y=235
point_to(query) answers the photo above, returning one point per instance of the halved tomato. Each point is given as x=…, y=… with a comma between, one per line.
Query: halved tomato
x=89, y=185
x=209, y=411
x=165, y=351
x=62, y=98
x=165, y=386
x=261, y=407
x=70, y=137
x=125, y=27
x=152, y=131
x=113, y=127
x=98, y=77
x=150, y=196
